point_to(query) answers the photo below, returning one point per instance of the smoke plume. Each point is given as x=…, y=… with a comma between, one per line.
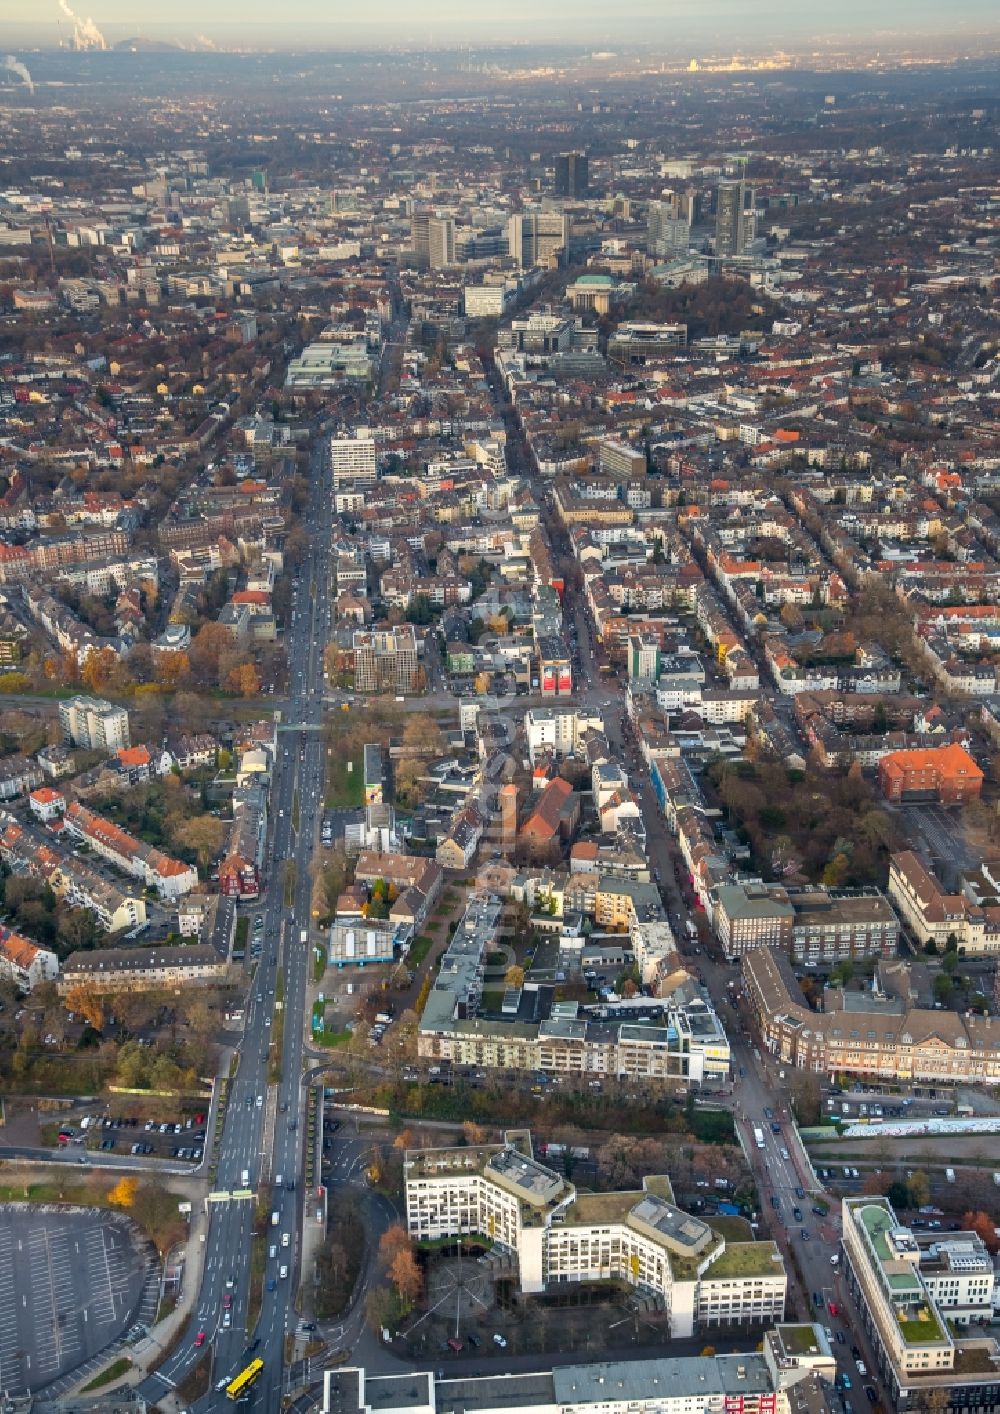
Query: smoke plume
x=86, y=35
x=16, y=67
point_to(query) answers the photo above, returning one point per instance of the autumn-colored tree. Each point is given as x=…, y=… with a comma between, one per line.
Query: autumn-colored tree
x=394, y=1240
x=514, y=976
x=100, y=668
x=123, y=1193
x=629, y=989
x=985, y=1226
x=244, y=680
x=403, y=1140
x=172, y=668
x=407, y=1278
x=204, y=834
x=207, y=647
x=482, y=684
x=920, y=1189
x=88, y=1004
x=474, y=1133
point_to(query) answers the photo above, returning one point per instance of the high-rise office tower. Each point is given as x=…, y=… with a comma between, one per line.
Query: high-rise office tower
x=433, y=239
x=666, y=231
x=572, y=178
x=441, y=242
x=534, y=237
x=733, y=218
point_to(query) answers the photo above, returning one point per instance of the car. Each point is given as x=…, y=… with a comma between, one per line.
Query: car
x=800, y=1192
x=797, y=1214
x=817, y=1298
x=227, y=1320
x=308, y=1325
x=872, y=1394
x=272, y=1285
x=841, y=1338
x=804, y=1234
x=227, y=1300
x=199, y=1340
x=845, y=1380
x=109, y=1144
x=473, y=1340
x=861, y=1367
x=221, y=1384
x=855, y=1353
x=818, y=1211
x=500, y=1340
x=833, y=1308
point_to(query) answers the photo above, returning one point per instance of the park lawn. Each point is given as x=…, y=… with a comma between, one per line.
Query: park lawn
x=419, y=949
x=345, y=790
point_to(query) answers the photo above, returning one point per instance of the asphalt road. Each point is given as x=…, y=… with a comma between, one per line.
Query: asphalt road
x=263, y=1131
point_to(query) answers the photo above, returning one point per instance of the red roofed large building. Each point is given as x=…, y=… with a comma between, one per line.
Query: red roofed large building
x=46, y=803
x=170, y=877
x=553, y=820
x=24, y=962
x=948, y=774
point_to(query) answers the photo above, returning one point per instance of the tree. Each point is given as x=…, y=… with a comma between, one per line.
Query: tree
x=514, y=976
x=806, y=1097
x=244, y=680
x=172, y=668
x=205, y=834
x=422, y=736
x=207, y=647
x=123, y=1193
x=407, y=1278
x=944, y=988
x=474, y=1133
x=88, y=1004
x=920, y=1189
x=981, y=1223
x=403, y=1140
x=394, y=1240
x=100, y=669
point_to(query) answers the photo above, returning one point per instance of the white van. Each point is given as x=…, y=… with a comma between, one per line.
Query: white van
x=282, y=1273
x=284, y=1239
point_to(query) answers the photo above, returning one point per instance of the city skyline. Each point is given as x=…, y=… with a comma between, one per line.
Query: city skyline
x=720, y=26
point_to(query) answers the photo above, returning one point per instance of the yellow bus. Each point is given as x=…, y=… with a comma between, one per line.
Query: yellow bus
x=238, y=1387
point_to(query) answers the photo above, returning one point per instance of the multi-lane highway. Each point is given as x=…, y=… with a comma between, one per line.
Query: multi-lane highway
x=262, y=1135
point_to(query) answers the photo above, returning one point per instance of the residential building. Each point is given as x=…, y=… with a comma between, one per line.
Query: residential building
x=385, y=660
x=934, y=916
x=170, y=877
x=557, y=1236
x=25, y=963
x=94, y=724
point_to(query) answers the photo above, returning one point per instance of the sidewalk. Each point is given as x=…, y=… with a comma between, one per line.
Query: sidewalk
x=148, y=1354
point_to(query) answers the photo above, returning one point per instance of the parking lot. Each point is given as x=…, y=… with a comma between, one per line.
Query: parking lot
x=938, y=834
x=71, y=1282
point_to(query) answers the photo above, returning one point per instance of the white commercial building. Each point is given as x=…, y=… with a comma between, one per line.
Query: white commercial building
x=352, y=460
x=501, y=1193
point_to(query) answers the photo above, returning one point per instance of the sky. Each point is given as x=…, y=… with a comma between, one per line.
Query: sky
x=724, y=23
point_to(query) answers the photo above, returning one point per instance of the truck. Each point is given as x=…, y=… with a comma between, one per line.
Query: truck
x=950, y=1175
x=758, y=1135
x=275, y=1218
x=245, y=1178
x=691, y=929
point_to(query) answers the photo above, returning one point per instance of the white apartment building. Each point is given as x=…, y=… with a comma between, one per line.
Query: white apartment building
x=352, y=460
x=502, y=1193
x=558, y=730
x=94, y=724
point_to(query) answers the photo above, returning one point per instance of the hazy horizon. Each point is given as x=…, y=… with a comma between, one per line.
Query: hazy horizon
x=716, y=24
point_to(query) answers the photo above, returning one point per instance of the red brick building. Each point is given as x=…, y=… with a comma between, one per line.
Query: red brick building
x=948, y=774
